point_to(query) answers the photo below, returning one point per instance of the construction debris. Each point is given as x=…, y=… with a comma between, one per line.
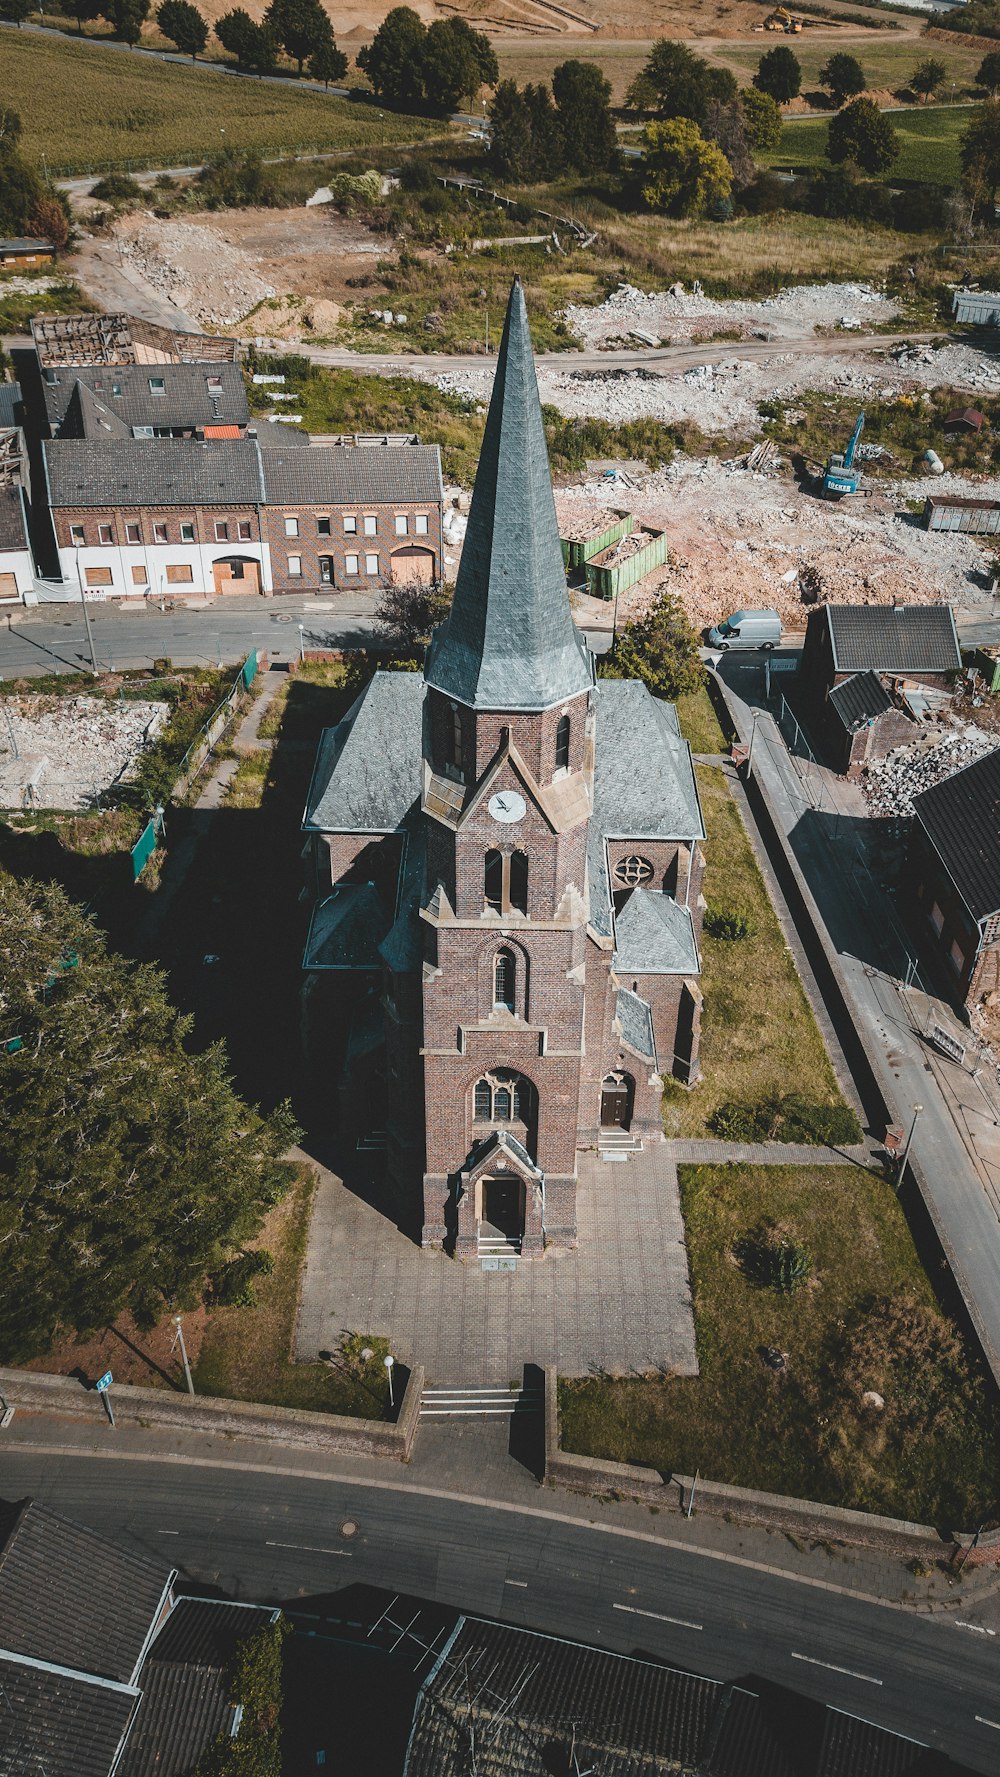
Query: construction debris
x=658, y=313
x=196, y=267
x=65, y=752
x=890, y=784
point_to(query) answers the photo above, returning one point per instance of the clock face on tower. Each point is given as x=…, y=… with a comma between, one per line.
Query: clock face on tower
x=507, y=806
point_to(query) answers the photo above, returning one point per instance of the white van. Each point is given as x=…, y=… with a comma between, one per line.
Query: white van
x=747, y=629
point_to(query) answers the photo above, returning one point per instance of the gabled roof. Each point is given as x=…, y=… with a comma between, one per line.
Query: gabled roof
x=59, y=1722
x=185, y=1686
x=88, y=416
x=153, y=472
x=368, y=769
x=509, y=641
x=859, y=700
x=344, y=475
x=634, y=1019
x=70, y=1597
x=961, y=818
x=654, y=935
x=187, y=399
x=893, y=638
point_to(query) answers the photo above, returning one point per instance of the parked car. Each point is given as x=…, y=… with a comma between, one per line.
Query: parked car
x=747, y=629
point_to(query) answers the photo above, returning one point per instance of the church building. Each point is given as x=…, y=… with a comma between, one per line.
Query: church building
x=507, y=867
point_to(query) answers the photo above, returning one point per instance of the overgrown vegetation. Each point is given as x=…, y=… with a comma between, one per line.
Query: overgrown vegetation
x=815, y=424
x=255, y=1683
x=660, y=648
x=787, y=1398
x=792, y=1117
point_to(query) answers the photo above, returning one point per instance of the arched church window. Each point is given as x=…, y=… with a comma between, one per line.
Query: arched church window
x=502, y=1096
x=519, y=881
x=493, y=881
x=504, y=977
x=632, y=872
x=562, y=743
x=483, y=1101
x=502, y=1104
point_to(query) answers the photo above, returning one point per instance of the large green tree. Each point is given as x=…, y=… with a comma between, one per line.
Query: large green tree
x=184, y=25
x=129, y=1168
x=300, y=26
x=988, y=72
x=779, y=74
x=16, y=11
x=455, y=61
x=328, y=62
x=677, y=83
x=761, y=118
x=235, y=31
x=526, y=143
x=843, y=76
x=392, y=59
x=980, y=153
x=126, y=18
x=583, y=101
x=682, y=174
x=927, y=76
x=862, y=133
x=660, y=648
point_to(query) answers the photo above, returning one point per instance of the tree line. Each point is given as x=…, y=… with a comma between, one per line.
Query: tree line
x=27, y=207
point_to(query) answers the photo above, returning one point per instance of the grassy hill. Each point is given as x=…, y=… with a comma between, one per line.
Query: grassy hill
x=928, y=144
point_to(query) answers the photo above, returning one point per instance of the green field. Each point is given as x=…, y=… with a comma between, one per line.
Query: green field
x=83, y=106
x=929, y=142
x=887, y=61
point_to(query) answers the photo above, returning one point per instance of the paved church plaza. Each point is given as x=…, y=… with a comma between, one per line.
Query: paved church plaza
x=620, y=1302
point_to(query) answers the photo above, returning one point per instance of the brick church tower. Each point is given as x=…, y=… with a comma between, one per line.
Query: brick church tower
x=508, y=873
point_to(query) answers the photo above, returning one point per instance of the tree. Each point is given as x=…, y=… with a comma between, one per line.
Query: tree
x=510, y=140
x=184, y=25
x=980, y=153
x=10, y=128
x=261, y=49
x=300, y=26
x=392, y=60
x=235, y=32
x=328, y=63
x=862, y=133
x=988, y=72
x=407, y=611
x=83, y=11
x=583, y=102
x=256, y=1683
x=682, y=174
x=20, y=192
x=725, y=126
x=779, y=74
x=660, y=648
x=16, y=11
x=455, y=61
x=844, y=76
x=130, y=1168
x=682, y=83
x=127, y=18
x=48, y=221
x=928, y=76
x=761, y=117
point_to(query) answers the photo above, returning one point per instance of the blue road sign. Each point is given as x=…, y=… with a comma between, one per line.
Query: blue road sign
x=104, y=1382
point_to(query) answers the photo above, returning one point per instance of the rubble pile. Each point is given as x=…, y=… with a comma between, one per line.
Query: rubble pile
x=890, y=784
x=64, y=752
x=681, y=314
x=196, y=267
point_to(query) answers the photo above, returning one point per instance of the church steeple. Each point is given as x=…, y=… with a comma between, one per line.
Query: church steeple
x=509, y=642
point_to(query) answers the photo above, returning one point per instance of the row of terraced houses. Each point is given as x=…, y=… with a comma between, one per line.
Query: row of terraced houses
x=130, y=468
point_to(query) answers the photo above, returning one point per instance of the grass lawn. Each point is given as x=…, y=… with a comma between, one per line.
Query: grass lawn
x=245, y=1351
x=929, y=142
x=17, y=307
x=746, y=1058
x=931, y=1454
x=888, y=62
x=699, y=723
x=83, y=105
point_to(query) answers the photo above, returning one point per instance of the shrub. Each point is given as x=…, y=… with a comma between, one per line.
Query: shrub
x=772, y=1258
x=728, y=924
x=116, y=188
x=234, y=1286
x=792, y=1118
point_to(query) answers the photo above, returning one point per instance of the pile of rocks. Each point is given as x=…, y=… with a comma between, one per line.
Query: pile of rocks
x=681, y=314
x=197, y=268
x=63, y=752
x=890, y=784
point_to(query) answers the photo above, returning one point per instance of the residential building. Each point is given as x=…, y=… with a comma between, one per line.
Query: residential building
x=870, y=672
x=164, y=516
x=507, y=864
x=352, y=515
x=24, y=252
x=952, y=875
x=145, y=401
x=17, y=568
x=77, y=340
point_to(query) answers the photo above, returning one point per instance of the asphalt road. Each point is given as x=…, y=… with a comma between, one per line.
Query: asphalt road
x=275, y=1537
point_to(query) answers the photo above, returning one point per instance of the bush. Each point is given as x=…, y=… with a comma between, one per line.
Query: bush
x=772, y=1258
x=234, y=1286
x=729, y=925
x=792, y=1118
x=116, y=188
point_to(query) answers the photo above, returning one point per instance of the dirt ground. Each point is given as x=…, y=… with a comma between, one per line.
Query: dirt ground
x=143, y=1359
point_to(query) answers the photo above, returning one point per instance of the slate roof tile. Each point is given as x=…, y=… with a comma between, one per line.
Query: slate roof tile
x=859, y=700
x=352, y=474
x=13, y=534
x=961, y=817
x=187, y=398
x=367, y=772
x=654, y=935
x=58, y=1722
x=153, y=472
x=893, y=639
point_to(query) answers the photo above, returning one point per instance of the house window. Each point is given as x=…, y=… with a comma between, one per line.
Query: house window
x=402, y=526
x=159, y=533
x=504, y=976
x=500, y=1097
x=244, y=530
x=322, y=527
x=937, y=919
x=371, y=524
x=133, y=534
x=291, y=527
x=326, y=570
x=420, y=524
x=214, y=384
x=295, y=567
x=157, y=385
x=139, y=575
x=100, y=577
x=221, y=530
x=105, y=534
x=562, y=744
x=77, y=534
x=350, y=564
x=350, y=526
x=371, y=563
x=957, y=956
x=505, y=882
x=632, y=872
x=179, y=574
x=187, y=531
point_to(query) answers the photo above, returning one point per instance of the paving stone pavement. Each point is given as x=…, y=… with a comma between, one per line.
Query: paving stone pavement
x=769, y=1153
x=620, y=1302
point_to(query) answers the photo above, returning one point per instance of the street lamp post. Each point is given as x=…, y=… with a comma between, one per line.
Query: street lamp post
x=86, y=613
x=184, y=1356
x=388, y=1361
x=905, y=1155
x=302, y=646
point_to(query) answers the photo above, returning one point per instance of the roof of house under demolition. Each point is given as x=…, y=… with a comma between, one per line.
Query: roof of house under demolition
x=10, y=405
x=193, y=395
x=509, y=641
x=153, y=472
x=12, y=525
x=533, y=1701
x=961, y=817
x=893, y=638
x=339, y=475
x=860, y=700
x=122, y=339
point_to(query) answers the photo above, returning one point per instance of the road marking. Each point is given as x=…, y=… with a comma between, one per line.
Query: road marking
x=976, y=1628
x=522, y=1583
x=168, y=1533
x=845, y=1671
x=987, y=1723
x=678, y=1622
x=309, y=1549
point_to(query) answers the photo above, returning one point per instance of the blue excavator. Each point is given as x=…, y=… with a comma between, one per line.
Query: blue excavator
x=840, y=476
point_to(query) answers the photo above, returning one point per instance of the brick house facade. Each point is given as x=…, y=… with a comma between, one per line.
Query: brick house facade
x=350, y=516
x=859, y=662
x=507, y=870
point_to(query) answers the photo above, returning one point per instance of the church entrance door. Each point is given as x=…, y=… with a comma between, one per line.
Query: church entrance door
x=503, y=1211
x=615, y=1107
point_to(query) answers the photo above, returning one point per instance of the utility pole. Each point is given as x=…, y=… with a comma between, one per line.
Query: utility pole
x=86, y=614
x=694, y=1483
x=10, y=727
x=487, y=333
x=905, y=1155
x=179, y=1339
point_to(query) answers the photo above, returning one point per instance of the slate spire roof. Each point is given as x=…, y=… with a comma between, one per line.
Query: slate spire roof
x=510, y=642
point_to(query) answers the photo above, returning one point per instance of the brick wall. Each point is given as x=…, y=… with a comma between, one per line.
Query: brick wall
x=312, y=546
x=203, y=519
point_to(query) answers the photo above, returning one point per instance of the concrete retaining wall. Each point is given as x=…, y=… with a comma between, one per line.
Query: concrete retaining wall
x=36, y=1393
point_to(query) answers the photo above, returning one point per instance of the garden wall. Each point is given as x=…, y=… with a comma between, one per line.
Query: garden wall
x=36, y=1393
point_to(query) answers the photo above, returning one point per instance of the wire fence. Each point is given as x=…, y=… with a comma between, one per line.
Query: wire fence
x=216, y=725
